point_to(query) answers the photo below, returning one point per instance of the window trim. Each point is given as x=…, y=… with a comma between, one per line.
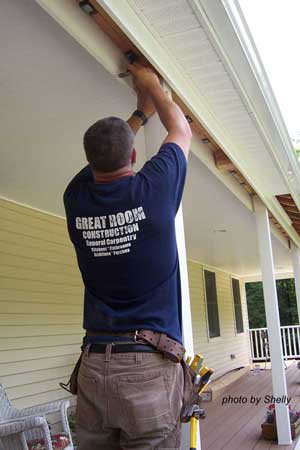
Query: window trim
x=220, y=337
x=233, y=307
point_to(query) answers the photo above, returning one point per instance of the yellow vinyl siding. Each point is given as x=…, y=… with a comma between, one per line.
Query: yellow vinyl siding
x=217, y=351
x=41, y=297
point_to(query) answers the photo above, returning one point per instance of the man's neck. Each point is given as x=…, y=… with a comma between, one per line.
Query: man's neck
x=106, y=177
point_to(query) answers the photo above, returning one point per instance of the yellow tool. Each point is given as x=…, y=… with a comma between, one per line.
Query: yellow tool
x=202, y=379
x=193, y=430
x=205, y=375
x=196, y=363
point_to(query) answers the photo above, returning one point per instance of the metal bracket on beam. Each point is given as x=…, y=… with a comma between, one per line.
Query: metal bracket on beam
x=132, y=57
x=87, y=7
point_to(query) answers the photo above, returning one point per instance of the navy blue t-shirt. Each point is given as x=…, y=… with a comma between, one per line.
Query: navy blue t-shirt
x=123, y=232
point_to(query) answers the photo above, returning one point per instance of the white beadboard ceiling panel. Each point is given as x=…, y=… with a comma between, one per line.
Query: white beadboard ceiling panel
x=179, y=31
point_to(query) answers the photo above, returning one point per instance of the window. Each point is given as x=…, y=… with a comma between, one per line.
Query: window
x=212, y=304
x=239, y=324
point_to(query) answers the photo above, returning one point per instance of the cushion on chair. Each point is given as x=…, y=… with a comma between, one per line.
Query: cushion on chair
x=59, y=442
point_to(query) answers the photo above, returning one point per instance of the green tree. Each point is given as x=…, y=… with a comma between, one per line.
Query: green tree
x=286, y=300
x=255, y=304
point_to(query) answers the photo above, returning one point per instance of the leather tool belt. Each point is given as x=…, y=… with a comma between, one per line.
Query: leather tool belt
x=170, y=348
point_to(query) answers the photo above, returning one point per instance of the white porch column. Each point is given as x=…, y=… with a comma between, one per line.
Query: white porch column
x=154, y=135
x=296, y=269
x=273, y=321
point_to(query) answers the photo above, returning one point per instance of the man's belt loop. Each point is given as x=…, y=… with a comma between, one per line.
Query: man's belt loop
x=108, y=352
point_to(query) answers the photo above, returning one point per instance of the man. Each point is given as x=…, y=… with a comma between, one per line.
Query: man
x=122, y=226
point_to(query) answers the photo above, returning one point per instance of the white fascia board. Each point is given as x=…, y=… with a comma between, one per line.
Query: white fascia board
x=125, y=16
x=229, y=34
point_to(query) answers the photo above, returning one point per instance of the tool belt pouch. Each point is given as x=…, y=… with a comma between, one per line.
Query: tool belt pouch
x=190, y=392
x=72, y=384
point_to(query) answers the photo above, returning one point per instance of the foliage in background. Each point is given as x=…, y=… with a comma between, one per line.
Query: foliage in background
x=286, y=300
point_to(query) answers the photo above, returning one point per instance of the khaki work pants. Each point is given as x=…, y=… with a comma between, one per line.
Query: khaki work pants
x=128, y=401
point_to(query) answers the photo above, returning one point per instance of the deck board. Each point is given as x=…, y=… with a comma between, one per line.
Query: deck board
x=237, y=426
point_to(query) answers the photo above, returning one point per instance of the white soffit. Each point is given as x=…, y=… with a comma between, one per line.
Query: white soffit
x=178, y=30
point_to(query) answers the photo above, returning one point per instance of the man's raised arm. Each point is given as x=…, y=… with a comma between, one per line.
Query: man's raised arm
x=169, y=113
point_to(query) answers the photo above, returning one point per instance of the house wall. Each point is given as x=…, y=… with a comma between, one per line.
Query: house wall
x=41, y=309
x=40, y=305
x=217, y=351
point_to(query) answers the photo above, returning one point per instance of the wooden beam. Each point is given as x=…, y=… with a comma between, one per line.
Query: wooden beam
x=222, y=161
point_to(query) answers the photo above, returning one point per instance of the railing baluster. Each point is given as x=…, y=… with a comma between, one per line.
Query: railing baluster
x=289, y=341
x=256, y=344
x=261, y=350
x=294, y=342
x=251, y=344
x=284, y=342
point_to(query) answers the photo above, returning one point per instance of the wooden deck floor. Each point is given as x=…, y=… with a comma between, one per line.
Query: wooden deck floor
x=237, y=426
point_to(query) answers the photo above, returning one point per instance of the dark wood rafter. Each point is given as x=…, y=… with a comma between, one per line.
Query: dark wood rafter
x=287, y=203
x=291, y=209
x=222, y=161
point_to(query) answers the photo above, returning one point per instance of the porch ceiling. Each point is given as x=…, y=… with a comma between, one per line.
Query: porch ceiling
x=209, y=208
x=53, y=90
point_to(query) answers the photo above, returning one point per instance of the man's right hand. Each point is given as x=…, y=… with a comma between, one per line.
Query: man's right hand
x=143, y=77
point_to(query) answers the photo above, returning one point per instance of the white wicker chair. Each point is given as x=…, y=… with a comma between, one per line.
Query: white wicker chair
x=13, y=434
x=31, y=423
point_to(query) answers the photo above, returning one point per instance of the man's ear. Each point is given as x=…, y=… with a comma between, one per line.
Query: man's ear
x=133, y=156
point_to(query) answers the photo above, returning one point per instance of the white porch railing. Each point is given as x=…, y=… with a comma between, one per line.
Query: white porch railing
x=290, y=337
